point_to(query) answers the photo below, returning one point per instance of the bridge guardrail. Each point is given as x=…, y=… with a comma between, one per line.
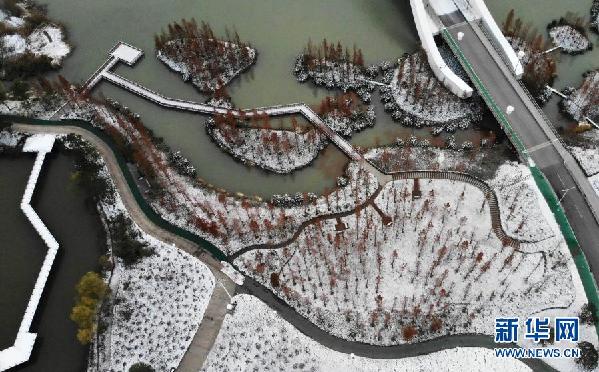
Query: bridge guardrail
x=524, y=88
x=497, y=112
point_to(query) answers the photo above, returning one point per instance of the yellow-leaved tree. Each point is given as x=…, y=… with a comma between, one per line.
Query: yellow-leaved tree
x=91, y=290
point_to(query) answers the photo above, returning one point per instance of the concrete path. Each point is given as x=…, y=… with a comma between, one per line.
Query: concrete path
x=202, y=343
x=215, y=312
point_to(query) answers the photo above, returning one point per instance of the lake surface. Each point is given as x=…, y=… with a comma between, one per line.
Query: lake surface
x=541, y=12
x=75, y=225
x=279, y=29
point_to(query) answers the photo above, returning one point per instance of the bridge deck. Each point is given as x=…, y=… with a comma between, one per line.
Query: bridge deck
x=503, y=91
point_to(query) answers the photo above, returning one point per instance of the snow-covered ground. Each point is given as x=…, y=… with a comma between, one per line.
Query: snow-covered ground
x=45, y=40
x=568, y=38
x=422, y=156
x=455, y=275
x=280, y=151
x=158, y=305
x=155, y=305
x=417, y=98
x=520, y=202
x=10, y=139
x=341, y=74
x=208, y=63
x=587, y=157
x=33, y=107
x=255, y=338
x=229, y=221
x=583, y=101
x=348, y=125
x=48, y=41
x=11, y=20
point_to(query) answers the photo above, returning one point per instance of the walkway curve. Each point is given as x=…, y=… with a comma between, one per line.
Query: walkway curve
x=304, y=225
x=312, y=331
x=488, y=192
x=250, y=286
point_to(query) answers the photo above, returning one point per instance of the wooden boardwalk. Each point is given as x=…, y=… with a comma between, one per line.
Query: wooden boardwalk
x=104, y=72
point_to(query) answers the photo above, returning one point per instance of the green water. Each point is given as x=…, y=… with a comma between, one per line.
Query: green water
x=278, y=29
x=541, y=12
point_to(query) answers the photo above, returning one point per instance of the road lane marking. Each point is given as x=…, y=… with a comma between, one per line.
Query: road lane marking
x=540, y=146
x=578, y=210
x=561, y=180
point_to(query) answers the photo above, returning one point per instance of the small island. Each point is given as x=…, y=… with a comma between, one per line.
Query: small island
x=198, y=55
x=415, y=97
x=333, y=66
x=30, y=42
x=570, y=34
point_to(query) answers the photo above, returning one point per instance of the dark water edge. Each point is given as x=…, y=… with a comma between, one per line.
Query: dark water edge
x=76, y=226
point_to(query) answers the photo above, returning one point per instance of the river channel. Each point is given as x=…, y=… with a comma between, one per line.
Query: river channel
x=279, y=29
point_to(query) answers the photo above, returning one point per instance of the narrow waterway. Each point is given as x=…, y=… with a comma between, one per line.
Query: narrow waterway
x=75, y=225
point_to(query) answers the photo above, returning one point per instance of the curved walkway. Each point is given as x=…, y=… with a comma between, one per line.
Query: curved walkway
x=489, y=193
x=303, y=225
x=210, y=326
x=308, y=328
